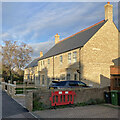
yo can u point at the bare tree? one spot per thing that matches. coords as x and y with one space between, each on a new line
15 56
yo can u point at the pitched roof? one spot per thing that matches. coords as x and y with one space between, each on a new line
33 63
75 41
116 61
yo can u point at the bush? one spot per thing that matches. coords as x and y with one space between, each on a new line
91 102
39 105
19 92
99 101
94 101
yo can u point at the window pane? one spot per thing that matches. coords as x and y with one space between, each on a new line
48 61
74 56
61 59
68 76
42 79
69 57
75 76
39 79
28 77
48 81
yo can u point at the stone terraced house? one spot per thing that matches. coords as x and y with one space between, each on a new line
86 56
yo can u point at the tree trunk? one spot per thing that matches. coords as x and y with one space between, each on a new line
10 76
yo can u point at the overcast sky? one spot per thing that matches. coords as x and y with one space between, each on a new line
37 23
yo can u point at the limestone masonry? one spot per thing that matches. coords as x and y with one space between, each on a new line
86 56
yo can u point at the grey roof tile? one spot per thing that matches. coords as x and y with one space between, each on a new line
33 63
75 41
116 61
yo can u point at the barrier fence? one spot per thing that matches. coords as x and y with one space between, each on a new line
62 98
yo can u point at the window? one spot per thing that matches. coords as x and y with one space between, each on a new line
61 59
43 79
117 82
75 76
39 79
69 57
28 77
76 83
34 79
74 56
48 61
41 63
68 76
48 81
62 77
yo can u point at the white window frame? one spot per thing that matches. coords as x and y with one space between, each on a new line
69 58
48 61
43 79
75 56
67 76
61 59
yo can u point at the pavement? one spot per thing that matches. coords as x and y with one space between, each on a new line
20 100
91 111
11 109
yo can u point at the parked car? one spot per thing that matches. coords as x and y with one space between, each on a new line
53 83
67 84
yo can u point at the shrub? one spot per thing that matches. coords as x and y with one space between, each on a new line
37 105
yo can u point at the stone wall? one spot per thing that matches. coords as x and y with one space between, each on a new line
29 100
9 88
98 53
82 95
93 59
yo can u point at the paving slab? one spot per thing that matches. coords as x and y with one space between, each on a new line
91 111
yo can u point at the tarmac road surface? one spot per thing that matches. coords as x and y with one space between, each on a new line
11 109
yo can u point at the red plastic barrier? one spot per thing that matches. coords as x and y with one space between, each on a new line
62 98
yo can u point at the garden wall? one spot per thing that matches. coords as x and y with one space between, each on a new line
41 97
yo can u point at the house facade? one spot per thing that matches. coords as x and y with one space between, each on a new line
85 56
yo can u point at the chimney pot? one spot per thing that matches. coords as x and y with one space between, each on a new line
108 12
57 38
41 53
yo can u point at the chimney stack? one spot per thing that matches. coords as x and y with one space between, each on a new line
109 12
41 53
57 38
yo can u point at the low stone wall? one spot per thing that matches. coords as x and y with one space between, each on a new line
25 86
9 88
29 100
82 95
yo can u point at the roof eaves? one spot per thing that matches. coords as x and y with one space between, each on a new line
60 53
34 61
73 36
82 30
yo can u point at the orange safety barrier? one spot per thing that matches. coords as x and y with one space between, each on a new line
62 98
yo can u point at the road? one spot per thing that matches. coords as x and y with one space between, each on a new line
11 109
90 111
